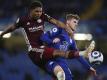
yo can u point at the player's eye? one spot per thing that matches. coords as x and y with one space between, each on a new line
38 11
75 22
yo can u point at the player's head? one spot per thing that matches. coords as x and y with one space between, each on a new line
35 10
72 21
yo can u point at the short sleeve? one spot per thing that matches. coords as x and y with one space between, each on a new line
19 22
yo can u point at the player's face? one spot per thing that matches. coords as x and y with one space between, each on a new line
72 23
36 13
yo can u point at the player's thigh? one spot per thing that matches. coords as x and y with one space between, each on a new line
53 67
67 71
35 58
44 53
57 69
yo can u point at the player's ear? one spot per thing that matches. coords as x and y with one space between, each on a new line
67 21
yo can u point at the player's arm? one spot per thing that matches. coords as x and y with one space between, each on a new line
83 61
62 25
45 38
8 29
12 27
59 24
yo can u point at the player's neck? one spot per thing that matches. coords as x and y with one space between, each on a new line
32 17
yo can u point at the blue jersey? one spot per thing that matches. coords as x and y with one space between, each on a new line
65 44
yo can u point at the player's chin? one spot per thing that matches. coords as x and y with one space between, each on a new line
73 29
36 17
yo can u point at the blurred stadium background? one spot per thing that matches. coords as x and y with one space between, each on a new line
14 62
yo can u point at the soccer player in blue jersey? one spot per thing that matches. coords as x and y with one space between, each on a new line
58 38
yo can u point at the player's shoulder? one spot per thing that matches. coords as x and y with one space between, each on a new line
23 18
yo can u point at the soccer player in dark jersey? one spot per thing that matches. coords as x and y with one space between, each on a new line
33 27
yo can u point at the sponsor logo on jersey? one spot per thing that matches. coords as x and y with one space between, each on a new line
33 29
37 50
64 46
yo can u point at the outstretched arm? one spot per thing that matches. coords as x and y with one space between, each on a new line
87 65
62 25
59 24
11 28
8 29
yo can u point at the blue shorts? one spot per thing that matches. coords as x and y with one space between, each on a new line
50 65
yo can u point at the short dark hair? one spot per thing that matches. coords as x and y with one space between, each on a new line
70 16
35 4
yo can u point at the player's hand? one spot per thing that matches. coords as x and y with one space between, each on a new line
56 40
93 71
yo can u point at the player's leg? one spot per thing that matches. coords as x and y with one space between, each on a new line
88 50
55 69
59 68
49 53
72 54
63 68
59 73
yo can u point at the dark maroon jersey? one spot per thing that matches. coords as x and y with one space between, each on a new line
32 29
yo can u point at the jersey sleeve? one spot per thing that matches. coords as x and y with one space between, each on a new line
63 35
45 37
84 62
50 35
57 32
19 22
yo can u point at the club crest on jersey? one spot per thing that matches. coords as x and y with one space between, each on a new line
54 29
39 20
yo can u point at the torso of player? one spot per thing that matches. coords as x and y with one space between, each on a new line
65 42
33 30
